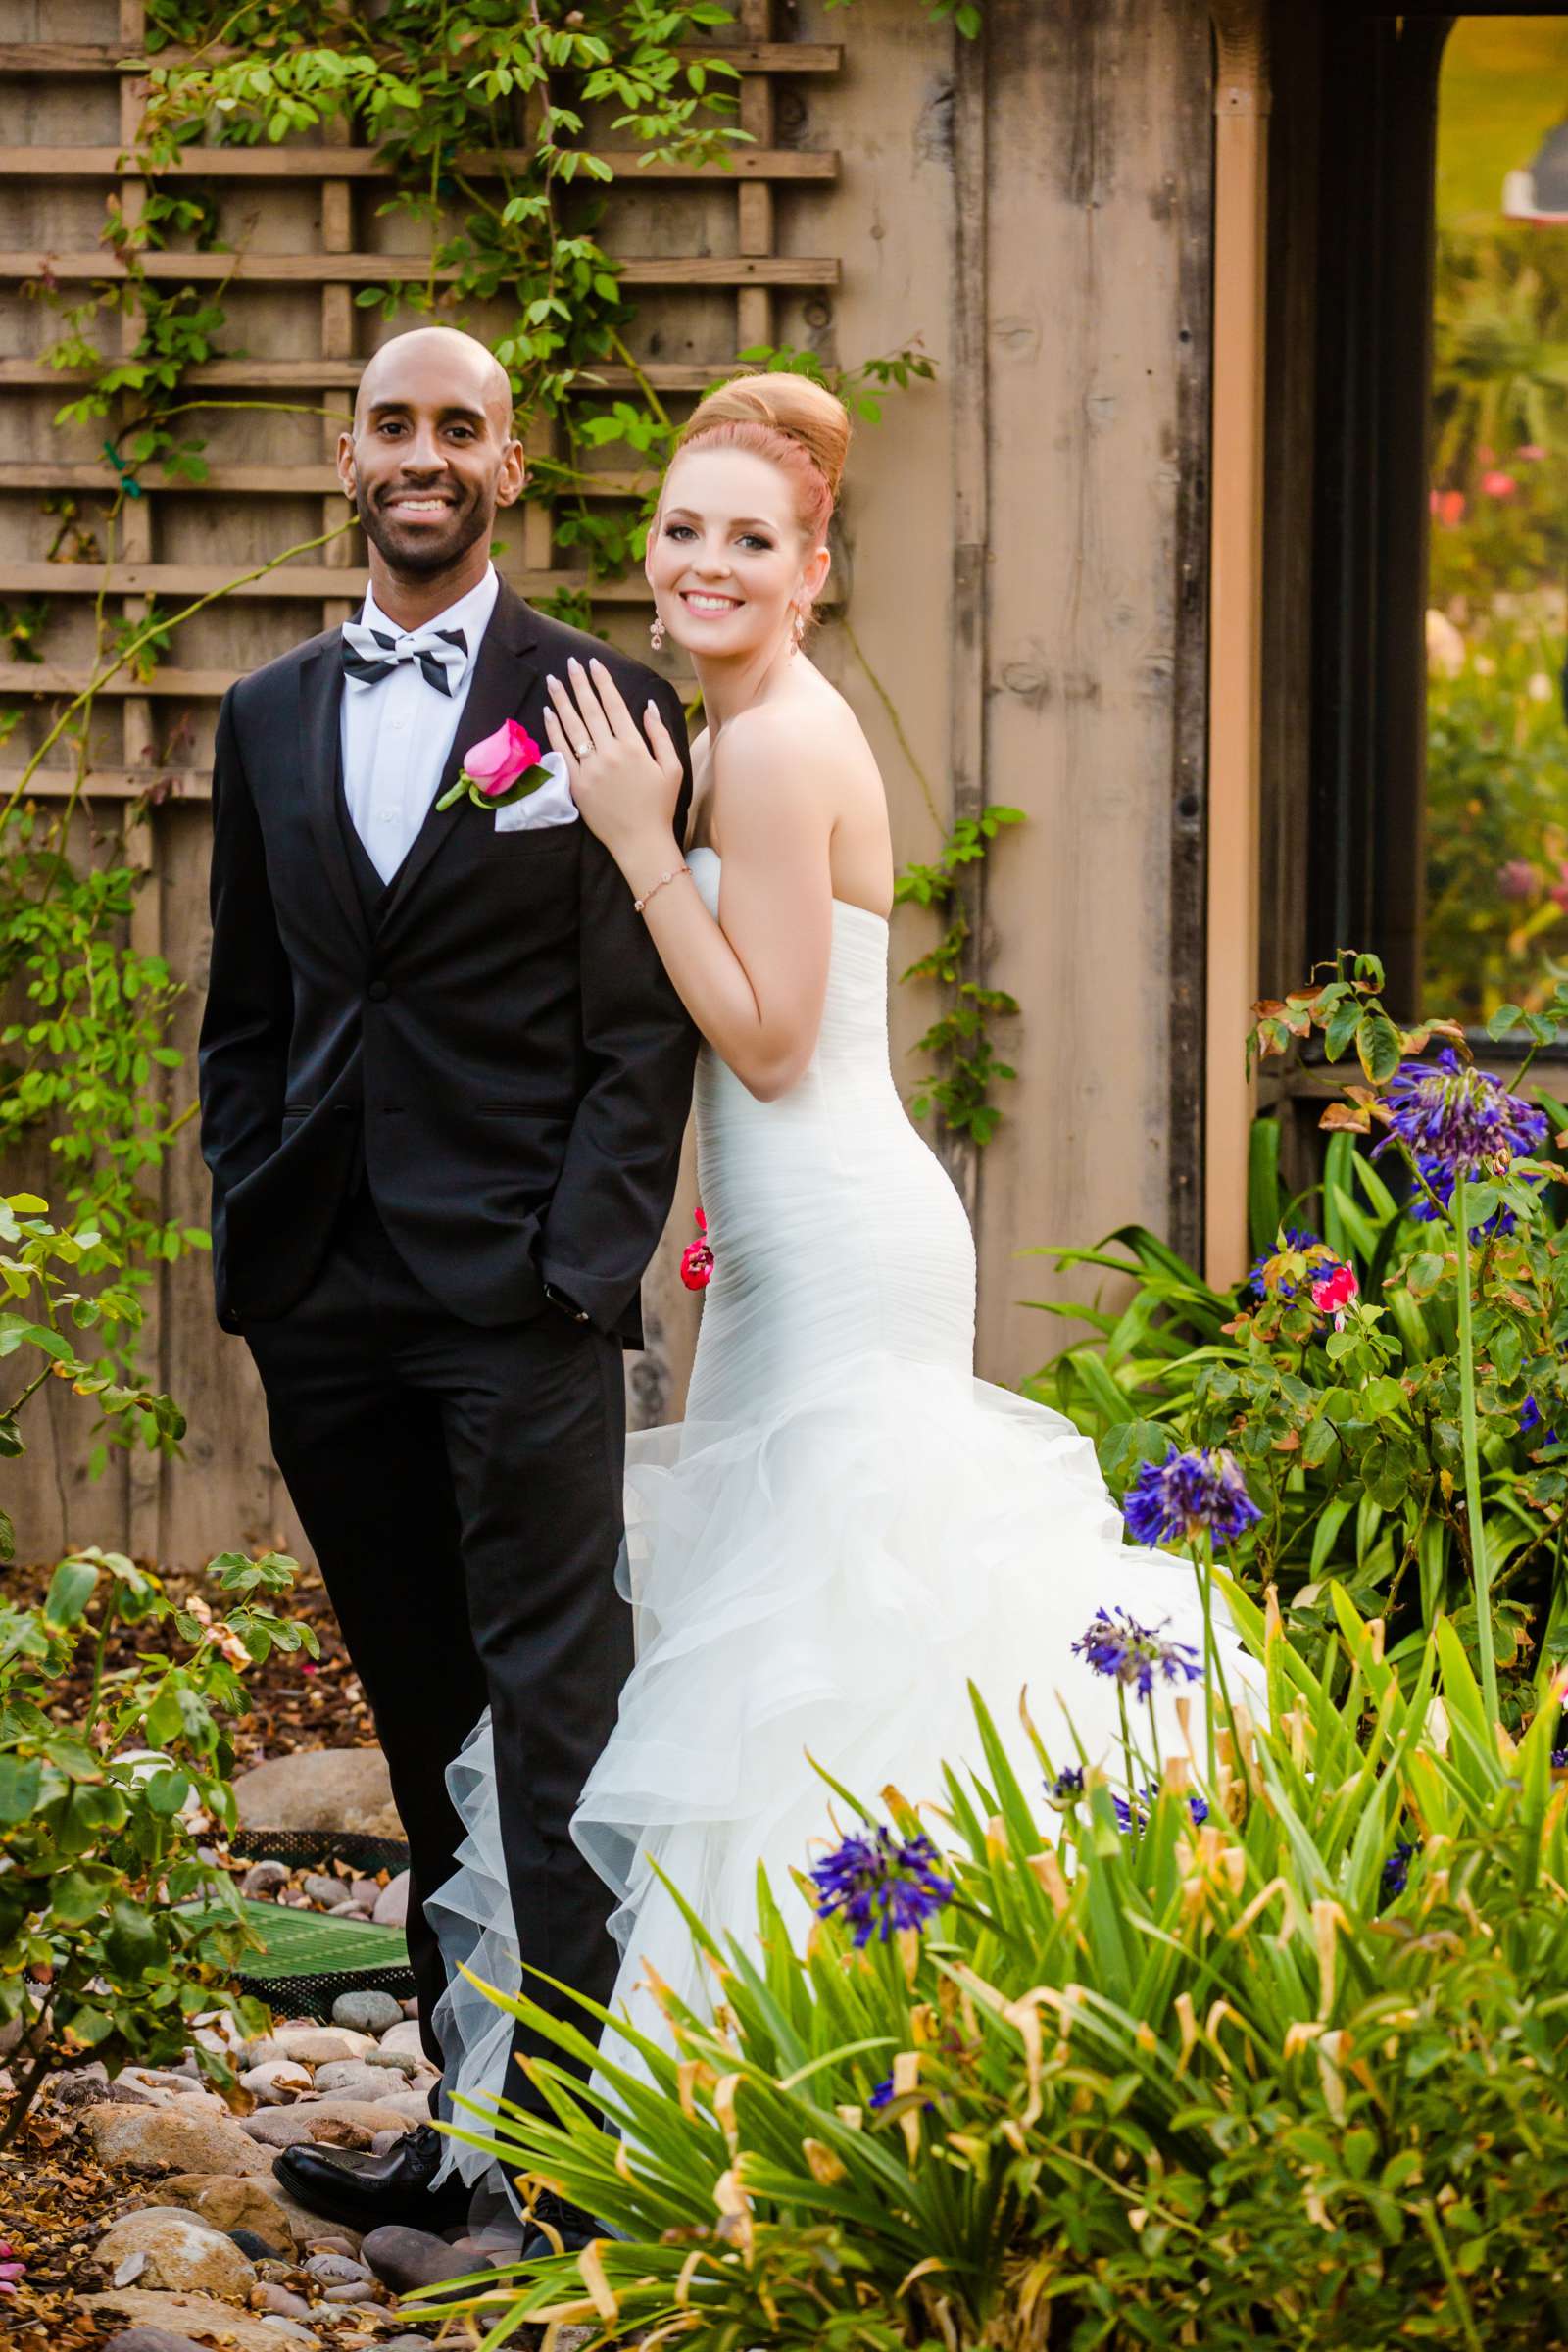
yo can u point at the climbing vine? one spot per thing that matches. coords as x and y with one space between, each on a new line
487 113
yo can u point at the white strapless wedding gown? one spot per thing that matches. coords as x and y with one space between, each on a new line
846 1530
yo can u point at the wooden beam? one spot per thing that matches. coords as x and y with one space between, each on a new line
399 269
363 162
289 581
289 375
272 480
106 57
112 783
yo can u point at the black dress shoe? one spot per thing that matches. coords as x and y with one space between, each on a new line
575 2227
367 2191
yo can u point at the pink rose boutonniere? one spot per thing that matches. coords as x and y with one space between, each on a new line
697 1259
503 767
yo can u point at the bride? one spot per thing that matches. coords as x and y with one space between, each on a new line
848 1527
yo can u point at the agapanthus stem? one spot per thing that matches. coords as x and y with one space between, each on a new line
1472 1456
1127 1745
1214 1680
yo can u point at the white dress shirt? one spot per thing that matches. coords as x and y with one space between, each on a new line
398 730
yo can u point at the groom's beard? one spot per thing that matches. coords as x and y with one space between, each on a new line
417 553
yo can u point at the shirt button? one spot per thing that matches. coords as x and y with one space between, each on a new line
378 991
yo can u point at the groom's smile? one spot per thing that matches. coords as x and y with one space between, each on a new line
432 456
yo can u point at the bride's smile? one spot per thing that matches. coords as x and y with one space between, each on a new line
732 571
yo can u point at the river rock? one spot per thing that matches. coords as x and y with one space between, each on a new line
310 2045
278 2083
324 1892
179 2252
148 2139
321 1788
338 2269
264 1880
406 2260
357 2079
289 2127
403 2036
392 1903
368 2012
202 2317
150 2340
230 2201
270 2296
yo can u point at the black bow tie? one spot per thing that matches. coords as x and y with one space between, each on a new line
370 655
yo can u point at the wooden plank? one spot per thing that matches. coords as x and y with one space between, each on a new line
398 269
112 783
106 57
754 305
173 685
364 163
289 581
282 480
290 376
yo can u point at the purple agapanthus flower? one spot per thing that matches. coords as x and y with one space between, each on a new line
1118 1646
1397 1869
1533 1420
1269 1276
1068 1783
1188 1494
1559 1759
882 2092
881 1882
1135 1815
1458 1121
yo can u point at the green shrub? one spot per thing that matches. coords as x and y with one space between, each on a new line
1293 2072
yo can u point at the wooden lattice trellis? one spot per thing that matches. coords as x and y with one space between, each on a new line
754 272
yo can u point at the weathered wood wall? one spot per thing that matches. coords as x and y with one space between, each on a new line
1020 556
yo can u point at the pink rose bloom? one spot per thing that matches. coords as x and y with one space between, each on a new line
501 758
1499 485
1449 508
1530 451
1559 893
1518 879
1333 1293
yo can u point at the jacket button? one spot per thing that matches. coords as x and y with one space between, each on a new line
378 991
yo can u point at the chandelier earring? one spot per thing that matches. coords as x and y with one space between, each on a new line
797 628
655 632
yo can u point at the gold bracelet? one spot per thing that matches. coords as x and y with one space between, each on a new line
638 905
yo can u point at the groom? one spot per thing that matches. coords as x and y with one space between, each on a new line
444 1081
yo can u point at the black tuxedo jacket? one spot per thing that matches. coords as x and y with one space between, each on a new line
496 1044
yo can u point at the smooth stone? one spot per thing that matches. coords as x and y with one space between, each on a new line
324 1892
236 2201
202 2317
369 2012
282 2302
406 2260
257 2250
181 2253
94 2089
310 2045
291 2127
357 2079
367 2292
413 2106
384 2143
404 2037
263 1879
401 2062
392 1903
172 2139
342 1789
163 2078
338 2269
149 2339
277 2082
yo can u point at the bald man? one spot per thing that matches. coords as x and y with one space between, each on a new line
444 1083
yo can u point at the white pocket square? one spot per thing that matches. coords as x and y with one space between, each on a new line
550 803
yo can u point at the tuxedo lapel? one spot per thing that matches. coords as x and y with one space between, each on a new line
502 677
321 752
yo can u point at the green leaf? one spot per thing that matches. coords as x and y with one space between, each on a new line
71 1587
1377 1046
20 1778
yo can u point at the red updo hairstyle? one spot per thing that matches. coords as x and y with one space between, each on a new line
797 425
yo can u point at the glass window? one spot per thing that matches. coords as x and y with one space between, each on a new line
1497 790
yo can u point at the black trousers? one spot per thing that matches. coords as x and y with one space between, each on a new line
462 1492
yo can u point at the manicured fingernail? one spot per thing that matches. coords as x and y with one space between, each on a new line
551 678
575 664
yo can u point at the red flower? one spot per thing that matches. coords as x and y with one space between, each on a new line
1449 508
1333 1293
502 757
1499 485
697 1259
